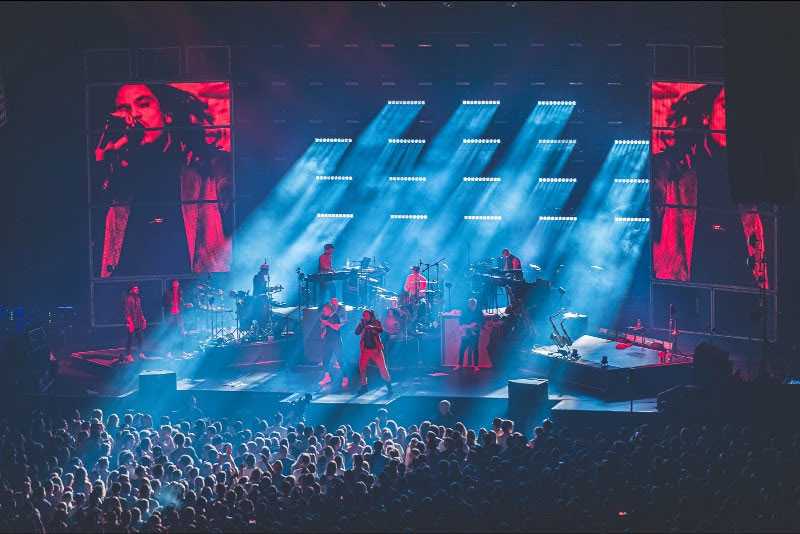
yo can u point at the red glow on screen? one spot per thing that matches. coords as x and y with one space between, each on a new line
217 97
688 143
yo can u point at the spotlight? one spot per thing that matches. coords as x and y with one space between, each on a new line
480 102
409 216
406 102
556 103
336 178
632 219
631 181
481 179
483 218
408 179
557 141
604 361
332 140
334 215
406 141
479 140
631 142
557 218
558 180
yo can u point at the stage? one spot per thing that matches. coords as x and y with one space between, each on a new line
259 378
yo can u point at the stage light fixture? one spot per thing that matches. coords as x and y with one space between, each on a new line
556 103
483 218
474 140
631 142
557 141
406 141
408 179
332 140
406 102
335 215
482 179
408 216
334 178
558 180
632 219
480 102
631 181
557 218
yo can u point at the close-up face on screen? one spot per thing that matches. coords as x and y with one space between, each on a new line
161 178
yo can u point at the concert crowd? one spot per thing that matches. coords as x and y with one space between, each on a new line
104 472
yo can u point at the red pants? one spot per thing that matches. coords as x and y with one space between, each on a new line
376 356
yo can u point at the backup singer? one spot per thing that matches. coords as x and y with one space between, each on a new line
471 320
134 321
173 317
371 349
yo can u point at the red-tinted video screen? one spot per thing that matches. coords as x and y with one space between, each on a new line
699 233
161 180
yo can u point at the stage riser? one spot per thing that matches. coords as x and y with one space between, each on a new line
216 358
614 383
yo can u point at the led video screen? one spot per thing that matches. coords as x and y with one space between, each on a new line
161 178
698 233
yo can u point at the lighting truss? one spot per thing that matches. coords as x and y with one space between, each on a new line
476 140
483 218
335 178
632 219
408 179
335 215
556 103
409 216
404 140
332 140
406 102
480 102
558 180
482 179
557 218
631 142
631 181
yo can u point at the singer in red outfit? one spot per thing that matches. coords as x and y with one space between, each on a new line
173 317
370 330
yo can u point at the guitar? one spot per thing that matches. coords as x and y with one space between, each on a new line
471 328
325 322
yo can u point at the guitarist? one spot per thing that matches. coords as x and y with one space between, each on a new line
330 333
471 321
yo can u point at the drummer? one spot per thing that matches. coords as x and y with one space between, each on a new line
415 285
260 280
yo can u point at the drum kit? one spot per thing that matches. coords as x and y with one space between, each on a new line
237 316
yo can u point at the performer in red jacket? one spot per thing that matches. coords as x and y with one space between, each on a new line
134 321
370 330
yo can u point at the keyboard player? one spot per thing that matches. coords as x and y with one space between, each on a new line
512 270
326 287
